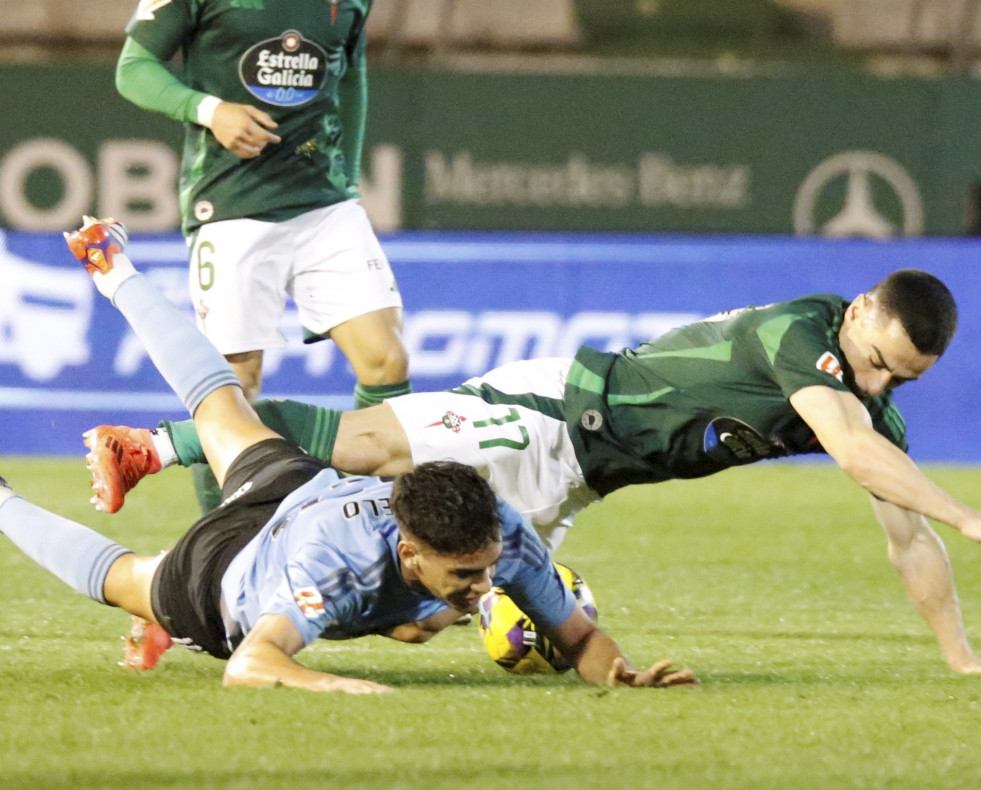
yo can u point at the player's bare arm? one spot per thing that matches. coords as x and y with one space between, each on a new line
844 428
243 129
265 658
599 660
919 556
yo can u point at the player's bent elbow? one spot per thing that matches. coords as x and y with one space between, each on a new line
857 464
234 673
241 670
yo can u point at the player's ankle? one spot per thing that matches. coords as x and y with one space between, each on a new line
108 283
164 447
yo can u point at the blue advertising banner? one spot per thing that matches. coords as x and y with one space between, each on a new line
473 301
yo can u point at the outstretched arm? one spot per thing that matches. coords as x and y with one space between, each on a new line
265 658
921 559
844 428
599 660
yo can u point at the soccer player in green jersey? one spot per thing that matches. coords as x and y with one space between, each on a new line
813 374
273 97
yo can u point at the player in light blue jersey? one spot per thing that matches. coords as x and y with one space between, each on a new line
294 552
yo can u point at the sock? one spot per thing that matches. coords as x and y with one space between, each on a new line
310 427
77 555
108 283
371 394
185 358
164 447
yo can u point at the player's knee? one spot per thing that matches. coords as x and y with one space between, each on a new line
249 373
386 365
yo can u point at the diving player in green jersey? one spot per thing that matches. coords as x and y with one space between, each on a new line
273 97
809 375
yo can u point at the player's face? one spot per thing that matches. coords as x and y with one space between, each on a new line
878 350
458 579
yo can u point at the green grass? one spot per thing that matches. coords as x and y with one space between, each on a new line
771 582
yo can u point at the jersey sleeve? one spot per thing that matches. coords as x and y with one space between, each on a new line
145 81
528 575
800 350
161 27
301 599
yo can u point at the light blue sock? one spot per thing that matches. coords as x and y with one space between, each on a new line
77 555
185 358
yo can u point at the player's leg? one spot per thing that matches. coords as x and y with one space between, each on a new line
248 370
372 343
236 279
122 456
344 289
86 561
367 441
193 368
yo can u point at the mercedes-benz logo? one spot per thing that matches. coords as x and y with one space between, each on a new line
864 174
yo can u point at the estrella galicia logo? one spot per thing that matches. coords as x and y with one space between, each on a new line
284 71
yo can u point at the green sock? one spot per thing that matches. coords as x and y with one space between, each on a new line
311 427
372 394
187 445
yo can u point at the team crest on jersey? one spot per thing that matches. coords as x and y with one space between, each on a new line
284 71
204 210
310 602
450 420
146 9
829 363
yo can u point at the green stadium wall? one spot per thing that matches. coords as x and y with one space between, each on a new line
821 154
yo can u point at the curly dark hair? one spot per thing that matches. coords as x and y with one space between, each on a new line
923 305
447 506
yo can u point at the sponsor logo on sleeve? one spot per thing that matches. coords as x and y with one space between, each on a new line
310 602
829 363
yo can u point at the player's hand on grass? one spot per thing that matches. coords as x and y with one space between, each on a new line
242 129
965 665
356 686
660 675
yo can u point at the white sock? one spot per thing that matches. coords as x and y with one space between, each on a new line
164 447
108 283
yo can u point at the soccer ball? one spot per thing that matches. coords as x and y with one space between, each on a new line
510 637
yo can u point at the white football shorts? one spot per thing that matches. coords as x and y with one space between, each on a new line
328 260
505 433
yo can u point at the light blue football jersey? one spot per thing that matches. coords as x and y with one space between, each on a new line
327 560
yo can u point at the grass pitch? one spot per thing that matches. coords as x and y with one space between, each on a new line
771 582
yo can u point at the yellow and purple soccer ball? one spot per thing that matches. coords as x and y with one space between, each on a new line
510 637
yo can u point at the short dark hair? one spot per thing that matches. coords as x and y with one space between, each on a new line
447 506
923 305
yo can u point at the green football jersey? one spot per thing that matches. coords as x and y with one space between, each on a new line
285 57
710 395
